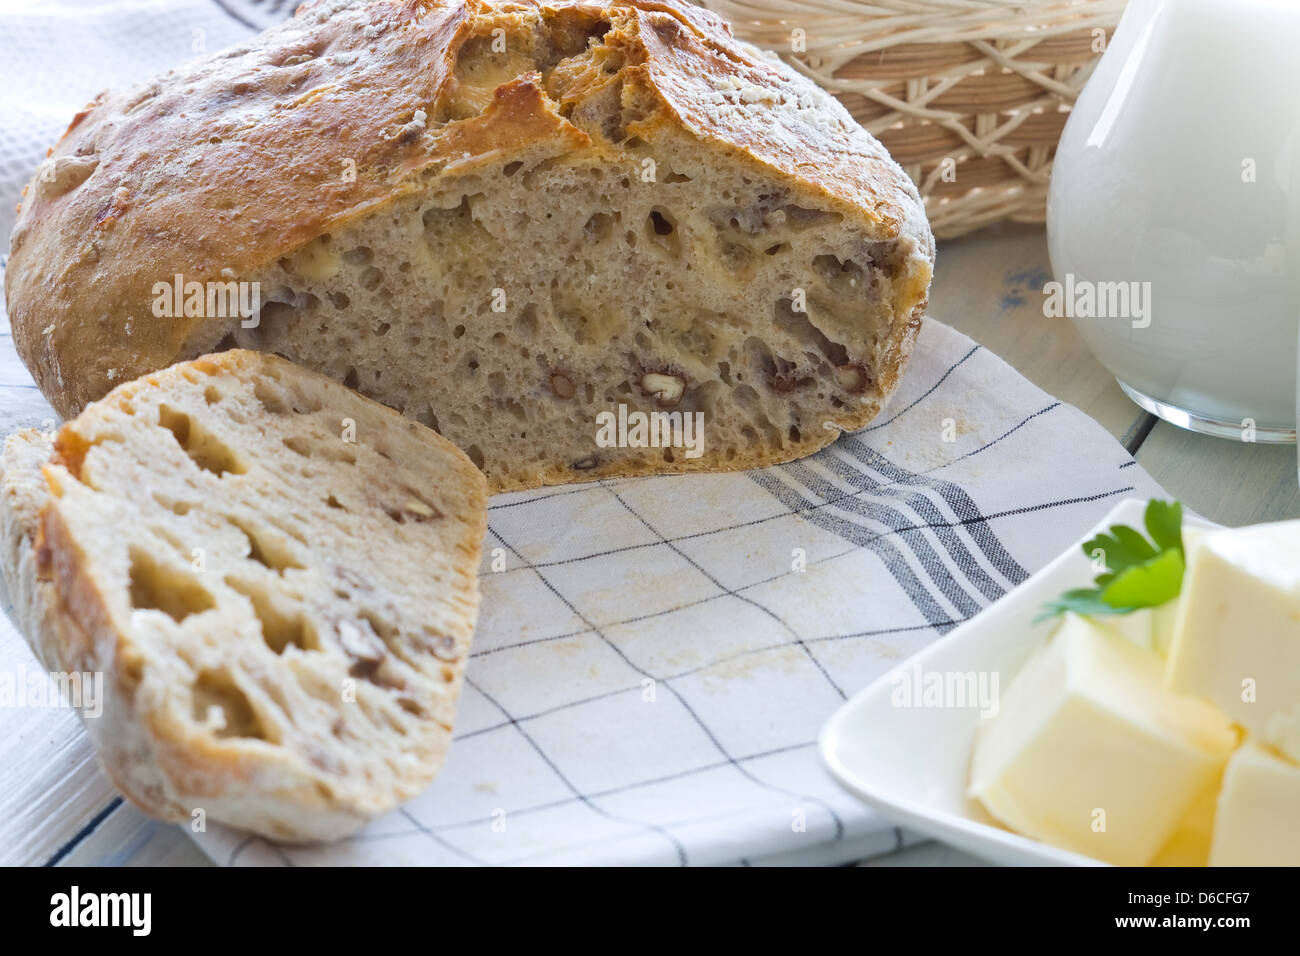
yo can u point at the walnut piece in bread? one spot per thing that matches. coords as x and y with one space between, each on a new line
277 578
500 218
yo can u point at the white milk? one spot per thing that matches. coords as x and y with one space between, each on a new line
1180 167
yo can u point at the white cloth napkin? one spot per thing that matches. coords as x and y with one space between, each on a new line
655 657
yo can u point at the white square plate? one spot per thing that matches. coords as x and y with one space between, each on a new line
913 763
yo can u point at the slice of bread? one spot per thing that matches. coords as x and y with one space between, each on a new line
277 578
505 220
23 493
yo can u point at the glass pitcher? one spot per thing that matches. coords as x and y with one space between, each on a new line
1174 213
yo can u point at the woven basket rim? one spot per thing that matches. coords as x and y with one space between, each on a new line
841 25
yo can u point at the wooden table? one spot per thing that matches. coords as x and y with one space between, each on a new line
57 806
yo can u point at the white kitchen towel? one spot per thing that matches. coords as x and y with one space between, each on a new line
655 656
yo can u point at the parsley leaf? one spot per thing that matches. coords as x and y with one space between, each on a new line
1080 601
1137 573
1148 584
1164 521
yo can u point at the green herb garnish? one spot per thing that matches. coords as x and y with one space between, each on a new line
1137 573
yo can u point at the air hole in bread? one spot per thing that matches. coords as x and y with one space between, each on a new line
382 629
280 629
335 449
661 228
844 276
801 327
360 256
800 218
598 227
333 502
427 418
273 399
736 256
266 548
276 318
211 395
351 379
205 449
176 507
512 168
218 702
305 404
161 587
298 445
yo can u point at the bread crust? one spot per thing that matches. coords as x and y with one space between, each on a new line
154 181
23 494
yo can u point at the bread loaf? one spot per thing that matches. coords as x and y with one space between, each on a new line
276 577
511 221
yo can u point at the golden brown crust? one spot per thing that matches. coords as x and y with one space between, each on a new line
226 164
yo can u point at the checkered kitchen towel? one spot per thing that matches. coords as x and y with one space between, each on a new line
655 656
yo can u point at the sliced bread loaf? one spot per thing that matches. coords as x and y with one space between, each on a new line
23 493
276 577
504 219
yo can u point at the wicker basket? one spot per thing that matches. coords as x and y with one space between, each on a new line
970 96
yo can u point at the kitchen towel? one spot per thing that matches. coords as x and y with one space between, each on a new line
655 656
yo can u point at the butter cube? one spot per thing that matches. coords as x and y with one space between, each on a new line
1090 753
1136 627
1259 808
1237 638
1191 840
1149 627
1162 626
